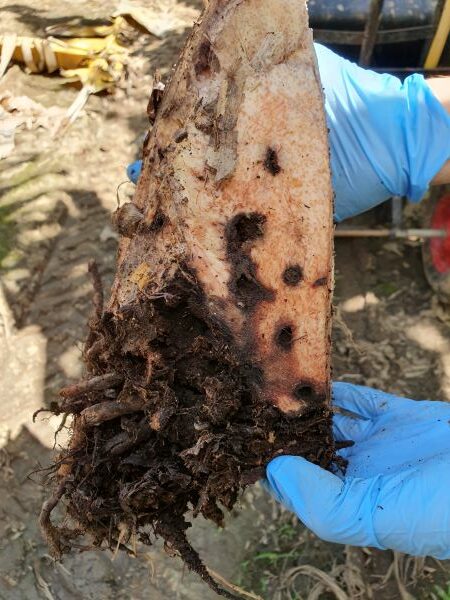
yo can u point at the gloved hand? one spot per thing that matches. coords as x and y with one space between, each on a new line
386 138
396 491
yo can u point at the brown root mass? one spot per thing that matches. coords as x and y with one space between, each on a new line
179 426
212 355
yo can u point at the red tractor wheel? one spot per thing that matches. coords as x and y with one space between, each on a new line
436 251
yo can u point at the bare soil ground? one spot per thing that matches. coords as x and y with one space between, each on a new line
56 198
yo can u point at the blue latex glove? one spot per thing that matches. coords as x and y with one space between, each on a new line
134 170
386 138
396 491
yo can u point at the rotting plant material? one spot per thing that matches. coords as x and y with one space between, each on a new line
212 355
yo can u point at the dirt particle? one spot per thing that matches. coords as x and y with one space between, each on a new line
159 221
204 123
271 162
155 98
180 135
293 275
320 282
284 337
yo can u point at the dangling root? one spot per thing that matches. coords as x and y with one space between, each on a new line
52 534
95 384
177 541
72 394
98 288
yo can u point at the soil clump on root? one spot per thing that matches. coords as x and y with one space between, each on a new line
170 419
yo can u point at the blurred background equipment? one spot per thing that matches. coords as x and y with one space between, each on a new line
401 37
394 33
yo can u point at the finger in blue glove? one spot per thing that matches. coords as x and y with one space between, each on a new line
134 170
396 490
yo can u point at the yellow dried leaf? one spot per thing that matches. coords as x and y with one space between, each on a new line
47 55
141 276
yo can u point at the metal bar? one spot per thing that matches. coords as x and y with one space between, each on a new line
396 211
348 232
370 32
334 36
404 71
384 36
437 18
408 34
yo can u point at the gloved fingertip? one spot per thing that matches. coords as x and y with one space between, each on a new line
282 466
342 392
134 170
282 469
294 479
308 490
292 468
274 471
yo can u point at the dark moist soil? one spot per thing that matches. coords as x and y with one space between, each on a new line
173 422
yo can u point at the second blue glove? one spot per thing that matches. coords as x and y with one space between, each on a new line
396 491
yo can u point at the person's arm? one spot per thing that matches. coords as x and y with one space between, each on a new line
440 87
387 137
